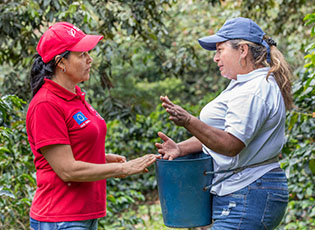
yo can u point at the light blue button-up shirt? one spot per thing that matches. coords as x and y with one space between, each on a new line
252 109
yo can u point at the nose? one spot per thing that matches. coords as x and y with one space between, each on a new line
89 58
216 57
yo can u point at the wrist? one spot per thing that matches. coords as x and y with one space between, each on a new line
188 121
180 151
123 169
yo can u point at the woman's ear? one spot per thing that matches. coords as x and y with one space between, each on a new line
60 62
243 50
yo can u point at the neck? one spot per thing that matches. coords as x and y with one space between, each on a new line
68 85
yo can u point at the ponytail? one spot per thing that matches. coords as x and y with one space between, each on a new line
41 70
278 65
283 75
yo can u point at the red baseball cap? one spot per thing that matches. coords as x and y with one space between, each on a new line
64 36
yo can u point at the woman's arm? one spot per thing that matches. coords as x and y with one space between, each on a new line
60 158
215 139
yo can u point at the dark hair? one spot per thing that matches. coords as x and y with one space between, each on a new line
278 65
41 70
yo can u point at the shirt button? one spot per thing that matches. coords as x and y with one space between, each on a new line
69 184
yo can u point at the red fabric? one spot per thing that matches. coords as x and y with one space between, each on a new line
57 116
64 36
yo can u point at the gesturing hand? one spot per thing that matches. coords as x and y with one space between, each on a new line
178 115
139 165
169 149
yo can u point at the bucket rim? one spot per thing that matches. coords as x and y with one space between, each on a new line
185 160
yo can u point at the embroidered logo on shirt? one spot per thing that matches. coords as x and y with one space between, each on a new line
81 119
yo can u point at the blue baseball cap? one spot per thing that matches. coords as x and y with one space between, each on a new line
236 28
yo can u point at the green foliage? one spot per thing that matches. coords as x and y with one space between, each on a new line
17 179
299 152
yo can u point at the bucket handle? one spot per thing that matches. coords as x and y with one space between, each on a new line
237 170
218 181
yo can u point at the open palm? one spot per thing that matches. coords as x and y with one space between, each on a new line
169 149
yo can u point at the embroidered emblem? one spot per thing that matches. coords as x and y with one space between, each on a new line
80 118
72 32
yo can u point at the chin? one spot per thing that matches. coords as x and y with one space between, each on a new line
228 77
86 78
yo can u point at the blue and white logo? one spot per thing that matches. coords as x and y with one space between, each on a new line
79 118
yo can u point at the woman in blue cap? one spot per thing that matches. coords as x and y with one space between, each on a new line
242 129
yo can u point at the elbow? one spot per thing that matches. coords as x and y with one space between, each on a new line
65 176
231 153
233 150
233 147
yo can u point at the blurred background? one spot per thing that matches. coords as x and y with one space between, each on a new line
149 49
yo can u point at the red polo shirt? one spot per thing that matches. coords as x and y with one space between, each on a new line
57 116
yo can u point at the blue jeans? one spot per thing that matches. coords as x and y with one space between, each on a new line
70 225
260 205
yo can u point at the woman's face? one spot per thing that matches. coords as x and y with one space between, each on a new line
78 66
227 59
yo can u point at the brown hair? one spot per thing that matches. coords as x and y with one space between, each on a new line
278 65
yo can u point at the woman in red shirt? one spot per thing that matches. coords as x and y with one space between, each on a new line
67 136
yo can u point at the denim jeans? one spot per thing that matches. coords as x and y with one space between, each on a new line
70 225
260 205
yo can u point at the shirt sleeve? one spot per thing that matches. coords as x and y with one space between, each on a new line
245 116
48 126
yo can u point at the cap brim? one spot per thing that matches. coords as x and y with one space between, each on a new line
209 42
87 43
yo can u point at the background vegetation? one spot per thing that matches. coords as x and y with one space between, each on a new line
149 49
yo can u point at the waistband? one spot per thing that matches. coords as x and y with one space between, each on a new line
239 169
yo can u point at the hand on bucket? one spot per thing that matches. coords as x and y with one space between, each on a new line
178 115
168 149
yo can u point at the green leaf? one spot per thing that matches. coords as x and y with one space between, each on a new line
311 165
293 120
6 193
4 150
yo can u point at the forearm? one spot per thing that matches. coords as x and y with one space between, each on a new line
191 145
62 161
215 139
80 171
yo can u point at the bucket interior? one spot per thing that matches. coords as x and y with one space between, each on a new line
190 157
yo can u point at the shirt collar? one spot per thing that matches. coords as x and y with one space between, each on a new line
62 92
251 75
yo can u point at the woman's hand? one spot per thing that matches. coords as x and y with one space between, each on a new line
178 115
169 149
115 158
138 165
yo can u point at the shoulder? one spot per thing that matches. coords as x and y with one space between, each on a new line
261 85
44 100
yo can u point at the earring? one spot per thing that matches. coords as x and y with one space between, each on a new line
64 70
